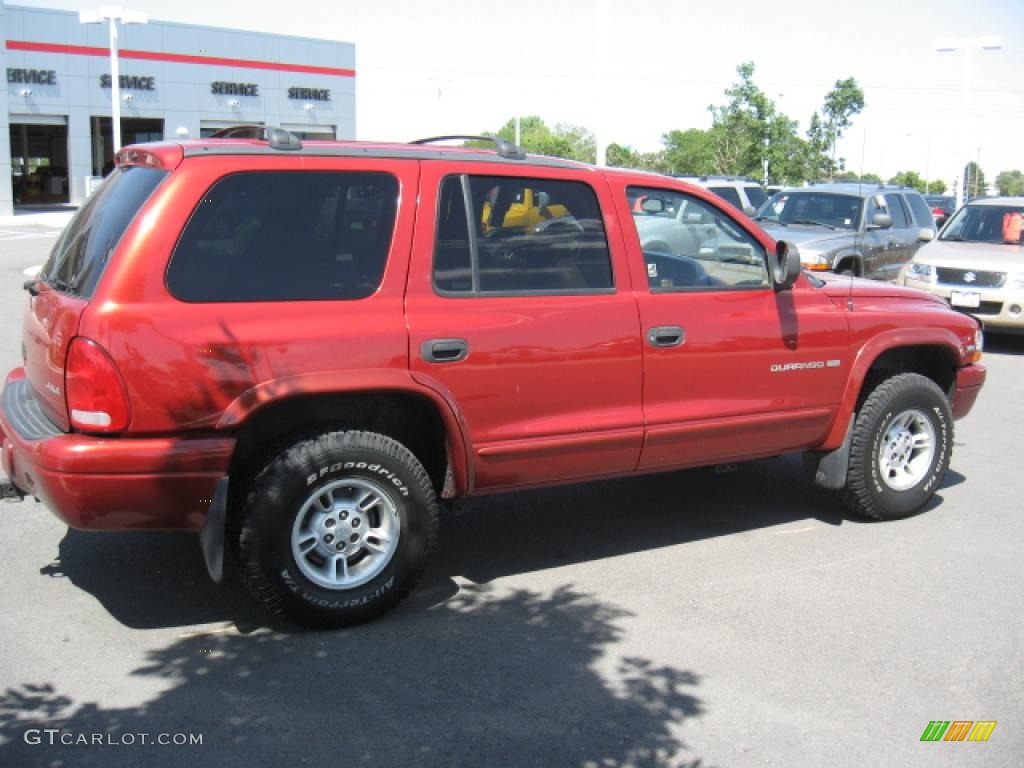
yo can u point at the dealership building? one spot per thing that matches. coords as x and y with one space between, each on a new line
176 80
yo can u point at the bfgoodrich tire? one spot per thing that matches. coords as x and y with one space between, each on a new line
901 448
338 529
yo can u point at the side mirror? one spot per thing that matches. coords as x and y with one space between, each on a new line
785 266
881 221
925 235
749 210
652 205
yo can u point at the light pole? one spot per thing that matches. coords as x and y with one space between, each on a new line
968 45
113 14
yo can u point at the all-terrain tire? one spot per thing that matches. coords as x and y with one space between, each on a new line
337 529
901 448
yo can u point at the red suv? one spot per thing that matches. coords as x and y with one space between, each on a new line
297 350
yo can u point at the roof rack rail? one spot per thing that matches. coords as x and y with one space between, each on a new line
277 138
503 147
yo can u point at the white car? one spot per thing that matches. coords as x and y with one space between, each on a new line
977 263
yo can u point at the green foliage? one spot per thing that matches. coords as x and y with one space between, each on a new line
689 152
1010 183
909 179
936 187
974 180
620 156
570 141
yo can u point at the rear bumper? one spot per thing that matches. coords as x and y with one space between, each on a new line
969 381
111 483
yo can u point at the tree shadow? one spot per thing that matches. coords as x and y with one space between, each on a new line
487 678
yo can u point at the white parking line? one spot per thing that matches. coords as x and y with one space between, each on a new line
14 234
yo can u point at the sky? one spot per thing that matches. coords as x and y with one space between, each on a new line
461 66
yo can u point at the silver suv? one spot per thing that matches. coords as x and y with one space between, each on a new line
854 229
745 194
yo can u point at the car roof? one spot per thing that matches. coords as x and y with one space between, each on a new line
997 201
849 188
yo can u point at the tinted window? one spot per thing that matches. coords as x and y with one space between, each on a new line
519 235
922 213
729 194
286 236
690 245
894 204
81 253
756 195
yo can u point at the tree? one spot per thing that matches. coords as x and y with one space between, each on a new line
909 179
570 141
845 100
748 137
974 180
1010 183
937 187
689 152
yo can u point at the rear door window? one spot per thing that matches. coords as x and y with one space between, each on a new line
506 235
728 193
922 213
894 203
83 250
287 236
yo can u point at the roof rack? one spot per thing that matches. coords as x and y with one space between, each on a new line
277 138
504 148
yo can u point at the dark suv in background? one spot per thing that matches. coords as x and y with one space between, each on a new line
943 206
853 229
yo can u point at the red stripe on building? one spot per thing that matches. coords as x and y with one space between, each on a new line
177 58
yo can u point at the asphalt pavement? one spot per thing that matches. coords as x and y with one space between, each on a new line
686 619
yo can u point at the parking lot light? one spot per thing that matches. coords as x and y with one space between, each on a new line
112 14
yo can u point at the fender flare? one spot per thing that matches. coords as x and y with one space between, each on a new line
349 382
876 346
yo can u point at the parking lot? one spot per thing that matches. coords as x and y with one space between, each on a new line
687 619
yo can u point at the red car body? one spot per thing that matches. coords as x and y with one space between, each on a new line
557 389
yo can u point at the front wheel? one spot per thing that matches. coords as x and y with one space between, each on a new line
337 529
901 448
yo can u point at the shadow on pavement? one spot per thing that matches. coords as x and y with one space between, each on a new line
486 679
150 580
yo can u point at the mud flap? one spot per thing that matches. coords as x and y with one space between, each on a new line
829 469
211 535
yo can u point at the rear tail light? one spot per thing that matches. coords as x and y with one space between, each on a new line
97 400
938 212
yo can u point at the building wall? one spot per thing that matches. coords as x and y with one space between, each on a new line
6 194
184 61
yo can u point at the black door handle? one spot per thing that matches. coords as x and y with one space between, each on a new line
666 336
444 350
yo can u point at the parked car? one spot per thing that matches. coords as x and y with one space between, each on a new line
977 263
853 229
744 193
942 207
297 351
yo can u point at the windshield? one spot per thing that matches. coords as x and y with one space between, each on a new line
812 208
986 224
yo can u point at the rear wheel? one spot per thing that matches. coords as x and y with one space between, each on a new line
901 447
337 529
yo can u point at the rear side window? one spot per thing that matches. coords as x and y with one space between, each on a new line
286 236
922 213
756 195
728 194
514 235
894 203
81 253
